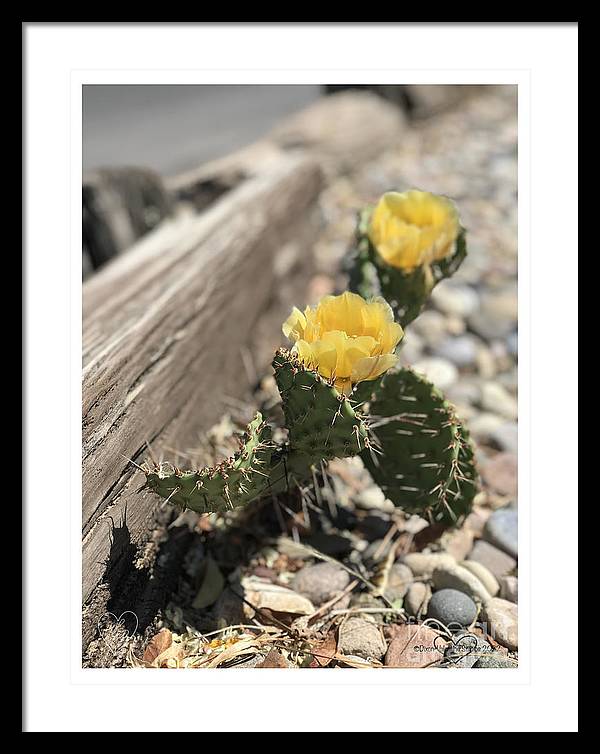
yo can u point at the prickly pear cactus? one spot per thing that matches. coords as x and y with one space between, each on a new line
422 457
322 423
229 485
405 290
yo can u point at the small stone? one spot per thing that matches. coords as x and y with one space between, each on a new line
461 300
486 577
452 608
411 348
475 521
509 588
321 582
458 543
483 426
502 617
274 597
417 598
497 315
465 649
361 638
399 579
461 350
372 498
501 530
431 326
462 580
414 646
497 399
505 437
441 372
500 473
466 391
496 561
424 564
495 660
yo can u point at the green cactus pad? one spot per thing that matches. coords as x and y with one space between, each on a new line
231 484
421 455
322 424
406 292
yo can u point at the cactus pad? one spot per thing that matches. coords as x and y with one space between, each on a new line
231 484
322 423
421 457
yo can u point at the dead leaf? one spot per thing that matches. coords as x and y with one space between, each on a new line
157 645
324 651
274 659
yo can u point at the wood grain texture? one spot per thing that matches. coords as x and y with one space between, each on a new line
164 328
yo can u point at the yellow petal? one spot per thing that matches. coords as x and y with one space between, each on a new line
373 366
294 325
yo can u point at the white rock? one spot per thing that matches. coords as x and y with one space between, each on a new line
486 577
441 372
424 564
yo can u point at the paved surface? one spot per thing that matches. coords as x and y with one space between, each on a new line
173 128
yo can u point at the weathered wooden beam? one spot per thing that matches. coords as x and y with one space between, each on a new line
164 328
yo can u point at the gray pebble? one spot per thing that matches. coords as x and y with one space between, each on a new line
465 649
452 608
495 660
501 529
495 560
320 582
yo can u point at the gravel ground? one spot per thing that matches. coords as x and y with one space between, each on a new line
336 576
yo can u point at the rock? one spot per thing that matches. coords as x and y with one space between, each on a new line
228 610
509 588
512 343
497 399
502 617
486 577
321 582
497 315
441 372
461 350
500 473
362 638
505 437
465 649
452 608
431 326
414 646
424 564
372 498
461 300
501 530
467 391
495 660
496 561
417 598
399 579
475 521
483 426
462 580
411 348
458 543
274 597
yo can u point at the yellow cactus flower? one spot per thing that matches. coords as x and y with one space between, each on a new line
413 228
345 338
